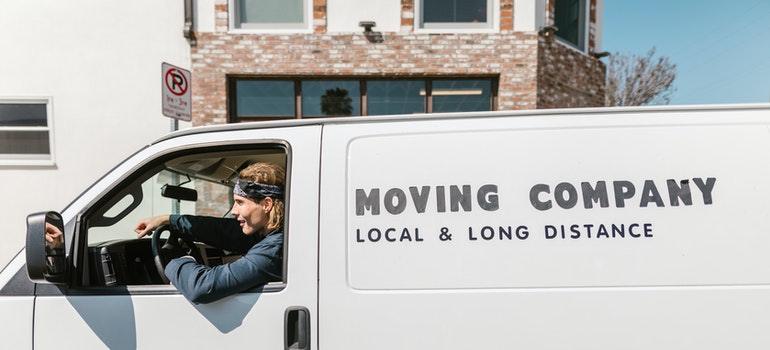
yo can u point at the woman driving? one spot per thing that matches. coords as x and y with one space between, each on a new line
256 231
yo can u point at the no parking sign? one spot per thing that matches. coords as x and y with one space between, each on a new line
177 100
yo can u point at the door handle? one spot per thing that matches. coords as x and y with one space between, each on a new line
296 328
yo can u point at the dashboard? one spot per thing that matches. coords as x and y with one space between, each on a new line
130 261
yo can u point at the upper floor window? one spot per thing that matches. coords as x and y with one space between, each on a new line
455 14
25 132
271 14
570 19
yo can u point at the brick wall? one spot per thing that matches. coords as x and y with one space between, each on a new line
512 57
568 78
213 200
532 73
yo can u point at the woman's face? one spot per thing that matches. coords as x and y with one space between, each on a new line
251 215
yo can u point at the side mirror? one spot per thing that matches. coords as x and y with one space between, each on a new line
179 193
46 258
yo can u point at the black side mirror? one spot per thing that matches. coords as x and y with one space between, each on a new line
46 258
179 193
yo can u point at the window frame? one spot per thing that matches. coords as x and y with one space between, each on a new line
584 30
235 27
232 116
492 25
78 256
24 159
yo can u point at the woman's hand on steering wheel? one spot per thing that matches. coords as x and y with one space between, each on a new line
174 242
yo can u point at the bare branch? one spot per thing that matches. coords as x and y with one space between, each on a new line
634 80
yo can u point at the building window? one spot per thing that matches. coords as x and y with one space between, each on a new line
461 95
265 98
25 132
395 97
273 98
570 19
455 14
270 14
331 98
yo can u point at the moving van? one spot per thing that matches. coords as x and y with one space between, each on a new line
639 228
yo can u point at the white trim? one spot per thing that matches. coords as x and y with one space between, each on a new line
304 28
270 31
23 128
455 31
525 16
27 162
493 13
205 16
32 159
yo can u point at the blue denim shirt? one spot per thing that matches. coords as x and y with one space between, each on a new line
262 259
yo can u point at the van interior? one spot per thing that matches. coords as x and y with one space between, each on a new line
196 184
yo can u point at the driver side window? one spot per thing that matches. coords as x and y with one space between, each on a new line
198 184
153 203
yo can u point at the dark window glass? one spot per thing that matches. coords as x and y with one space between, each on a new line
24 142
461 95
271 11
23 114
321 98
264 98
395 97
454 11
569 19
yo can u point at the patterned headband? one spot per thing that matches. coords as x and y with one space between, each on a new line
255 190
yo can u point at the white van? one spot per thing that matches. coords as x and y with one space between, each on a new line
641 228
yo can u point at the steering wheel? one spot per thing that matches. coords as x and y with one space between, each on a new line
173 247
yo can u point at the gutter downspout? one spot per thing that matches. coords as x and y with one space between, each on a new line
189 23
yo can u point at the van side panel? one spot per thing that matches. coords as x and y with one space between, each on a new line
16 319
630 230
17 304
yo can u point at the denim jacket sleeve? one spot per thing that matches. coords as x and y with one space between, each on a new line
202 284
222 233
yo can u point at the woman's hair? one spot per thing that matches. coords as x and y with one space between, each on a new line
268 174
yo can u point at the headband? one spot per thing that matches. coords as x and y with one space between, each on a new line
256 190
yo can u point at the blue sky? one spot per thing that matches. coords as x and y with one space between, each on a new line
721 48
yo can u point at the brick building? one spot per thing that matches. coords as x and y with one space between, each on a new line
273 59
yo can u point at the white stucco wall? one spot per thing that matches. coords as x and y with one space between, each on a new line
528 15
344 15
99 61
205 16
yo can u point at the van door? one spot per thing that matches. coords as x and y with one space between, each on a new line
116 300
